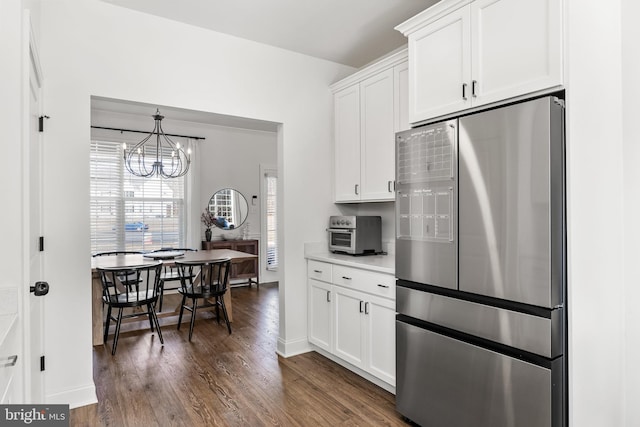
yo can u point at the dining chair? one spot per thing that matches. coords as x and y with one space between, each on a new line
128 281
134 294
169 272
206 280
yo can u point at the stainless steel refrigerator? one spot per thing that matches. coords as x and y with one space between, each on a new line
480 265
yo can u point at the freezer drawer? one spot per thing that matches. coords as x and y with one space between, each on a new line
540 335
444 382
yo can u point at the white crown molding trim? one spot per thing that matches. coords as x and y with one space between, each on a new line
370 70
430 15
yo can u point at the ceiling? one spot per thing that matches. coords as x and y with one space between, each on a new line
349 32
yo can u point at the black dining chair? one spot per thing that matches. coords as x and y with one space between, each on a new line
129 281
140 290
169 272
206 280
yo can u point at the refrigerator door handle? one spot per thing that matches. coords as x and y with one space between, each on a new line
451 217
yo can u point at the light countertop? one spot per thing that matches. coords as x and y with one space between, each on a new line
380 263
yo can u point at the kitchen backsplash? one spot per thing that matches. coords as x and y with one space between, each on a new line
386 210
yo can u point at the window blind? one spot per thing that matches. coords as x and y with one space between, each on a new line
129 212
272 220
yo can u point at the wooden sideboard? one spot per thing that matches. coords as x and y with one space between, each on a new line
247 269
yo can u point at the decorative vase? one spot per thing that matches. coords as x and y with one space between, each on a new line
207 234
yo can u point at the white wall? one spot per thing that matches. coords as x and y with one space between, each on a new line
595 190
231 158
631 151
93 48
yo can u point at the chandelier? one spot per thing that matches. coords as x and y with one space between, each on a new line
161 156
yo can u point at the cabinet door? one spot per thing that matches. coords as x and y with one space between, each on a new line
348 317
516 47
377 144
319 328
439 66
347 144
380 322
401 97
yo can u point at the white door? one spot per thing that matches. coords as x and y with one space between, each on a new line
33 206
319 328
377 155
347 143
381 338
347 329
440 67
516 47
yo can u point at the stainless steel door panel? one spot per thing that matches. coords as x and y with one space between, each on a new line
506 213
424 262
443 382
531 333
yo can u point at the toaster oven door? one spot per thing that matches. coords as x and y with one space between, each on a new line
342 240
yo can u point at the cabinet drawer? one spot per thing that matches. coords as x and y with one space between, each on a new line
319 270
366 281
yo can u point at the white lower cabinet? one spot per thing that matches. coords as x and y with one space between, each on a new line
9 348
319 326
352 316
348 327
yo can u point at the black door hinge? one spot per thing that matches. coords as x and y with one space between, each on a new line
41 123
41 240
41 363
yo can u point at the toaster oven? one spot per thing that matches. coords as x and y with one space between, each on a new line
355 234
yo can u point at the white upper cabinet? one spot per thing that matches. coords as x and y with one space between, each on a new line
440 67
377 167
369 107
347 138
465 53
516 47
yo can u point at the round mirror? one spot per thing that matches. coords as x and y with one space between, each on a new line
229 207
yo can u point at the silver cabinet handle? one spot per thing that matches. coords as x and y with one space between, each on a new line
361 306
366 308
474 84
356 188
383 286
317 271
11 361
328 296
464 91
346 278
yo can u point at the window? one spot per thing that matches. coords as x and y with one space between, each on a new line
271 186
129 212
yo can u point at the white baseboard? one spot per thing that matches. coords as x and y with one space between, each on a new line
75 398
292 347
367 376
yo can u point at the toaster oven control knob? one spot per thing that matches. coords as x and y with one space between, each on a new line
347 222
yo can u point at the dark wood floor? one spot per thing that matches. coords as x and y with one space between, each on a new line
228 380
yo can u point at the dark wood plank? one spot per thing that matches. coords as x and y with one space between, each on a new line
227 380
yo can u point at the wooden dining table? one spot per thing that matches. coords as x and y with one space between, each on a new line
131 260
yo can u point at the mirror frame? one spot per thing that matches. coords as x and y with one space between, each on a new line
242 210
